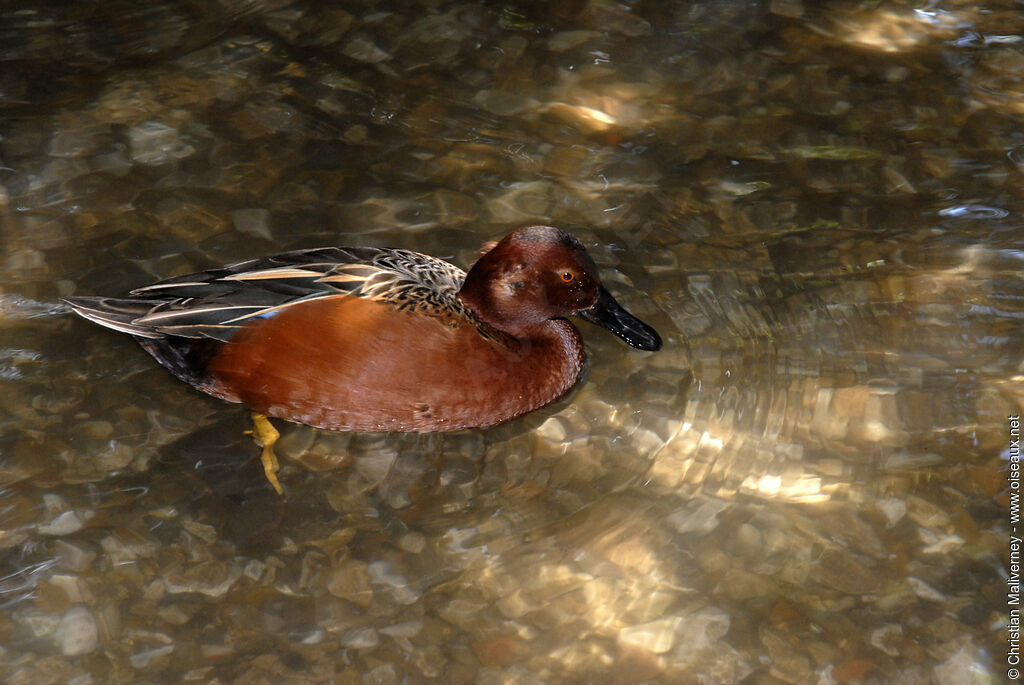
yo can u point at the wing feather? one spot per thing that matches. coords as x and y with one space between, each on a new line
213 304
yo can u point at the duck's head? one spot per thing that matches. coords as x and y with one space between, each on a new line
539 273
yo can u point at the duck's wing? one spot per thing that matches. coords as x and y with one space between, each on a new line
214 304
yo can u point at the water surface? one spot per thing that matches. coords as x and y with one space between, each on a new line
817 205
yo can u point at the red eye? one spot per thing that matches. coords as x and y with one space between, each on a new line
568 276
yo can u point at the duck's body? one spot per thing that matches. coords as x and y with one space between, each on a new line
370 339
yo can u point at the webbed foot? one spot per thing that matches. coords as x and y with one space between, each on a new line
265 435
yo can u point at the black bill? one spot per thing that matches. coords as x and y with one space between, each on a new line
608 313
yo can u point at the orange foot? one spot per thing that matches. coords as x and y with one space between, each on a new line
265 435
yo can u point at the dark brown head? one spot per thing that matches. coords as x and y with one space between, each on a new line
539 273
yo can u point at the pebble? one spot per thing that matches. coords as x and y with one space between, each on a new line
117 456
75 589
504 103
40 625
146 657
77 142
405 629
374 467
939 543
211 578
397 585
792 9
893 509
413 542
747 541
363 49
361 638
253 221
384 674
553 430
99 430
887 638
464 613
655 636
567 40
925 591
351 581
967 665
154 143
73 557
924 513
77 632
66 523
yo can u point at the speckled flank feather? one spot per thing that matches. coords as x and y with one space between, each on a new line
215 303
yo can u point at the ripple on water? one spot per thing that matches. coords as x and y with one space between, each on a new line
974 212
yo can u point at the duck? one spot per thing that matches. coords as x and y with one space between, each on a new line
378 339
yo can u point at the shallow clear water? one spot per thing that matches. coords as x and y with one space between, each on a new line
818 206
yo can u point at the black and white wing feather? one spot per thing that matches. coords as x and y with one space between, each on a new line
214 304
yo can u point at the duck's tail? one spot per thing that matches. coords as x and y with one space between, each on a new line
117 314
185 357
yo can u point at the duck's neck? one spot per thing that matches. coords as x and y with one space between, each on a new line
549 362
522 333
564 337
475 292
553 346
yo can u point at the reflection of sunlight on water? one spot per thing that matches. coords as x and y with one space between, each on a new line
695 459
813 443
599 576
973 212
997 82
602 99
891 30
805 489
592 119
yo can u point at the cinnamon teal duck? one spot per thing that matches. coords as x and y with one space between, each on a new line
372 339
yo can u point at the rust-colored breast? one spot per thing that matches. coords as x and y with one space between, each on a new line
351 363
